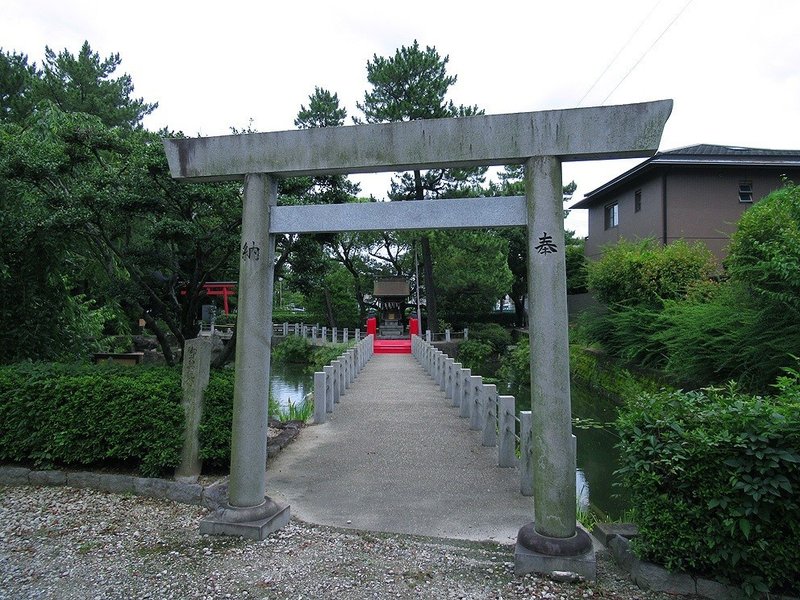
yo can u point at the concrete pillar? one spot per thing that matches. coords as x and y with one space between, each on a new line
457 384
329 385
475 415
554 497
525 454
489 409
320 401
250 398
194 380
466 393
249 512
337 380
448 386
506 453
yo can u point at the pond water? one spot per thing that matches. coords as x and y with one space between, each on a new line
289 383
597 456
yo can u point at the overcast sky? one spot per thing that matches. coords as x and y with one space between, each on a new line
731 66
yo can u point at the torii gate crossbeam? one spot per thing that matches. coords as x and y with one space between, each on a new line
538 140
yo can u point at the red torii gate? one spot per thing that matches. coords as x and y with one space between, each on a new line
219 288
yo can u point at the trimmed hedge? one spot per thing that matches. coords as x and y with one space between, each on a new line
99 415
714 476
55 414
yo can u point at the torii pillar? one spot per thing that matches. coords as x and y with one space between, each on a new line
539 141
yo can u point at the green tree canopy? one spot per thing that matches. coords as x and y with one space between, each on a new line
85 83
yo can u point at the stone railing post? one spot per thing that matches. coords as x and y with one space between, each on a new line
329 387
466 333
446 335
428 335
297 328
346 335
357 335
525 453
466 393
448 385
285 329
324 335
194 380
489 410
320 401
506 454
475 414
457 384
337 380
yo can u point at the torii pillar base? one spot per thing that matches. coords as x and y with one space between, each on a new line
254 523
536 553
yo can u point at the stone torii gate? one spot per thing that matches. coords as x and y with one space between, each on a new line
538 140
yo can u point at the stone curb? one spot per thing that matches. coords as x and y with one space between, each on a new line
653 577
183 492
208 496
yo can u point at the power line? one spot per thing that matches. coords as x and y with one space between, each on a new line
621 50
636 64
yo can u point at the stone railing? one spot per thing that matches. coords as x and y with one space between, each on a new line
447 336
494 416
317 334
330 383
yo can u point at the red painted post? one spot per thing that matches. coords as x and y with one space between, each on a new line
413 326
372 326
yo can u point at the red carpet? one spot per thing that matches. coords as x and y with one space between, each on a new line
392 346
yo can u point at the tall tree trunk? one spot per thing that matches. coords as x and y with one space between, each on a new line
160 335
227 354
427 265
329 307
519 309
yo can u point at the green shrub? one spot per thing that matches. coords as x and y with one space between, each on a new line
626 332
294 349
215 421
492 333
648 273
765 250
727 335
714 476
88 415
479 356
515 368
323 355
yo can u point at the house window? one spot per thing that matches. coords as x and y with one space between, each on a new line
612 215
637 201
746 192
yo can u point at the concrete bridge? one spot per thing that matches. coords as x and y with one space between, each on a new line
395 456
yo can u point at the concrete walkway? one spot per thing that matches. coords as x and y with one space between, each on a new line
395 457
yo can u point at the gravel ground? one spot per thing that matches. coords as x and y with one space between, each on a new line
70 543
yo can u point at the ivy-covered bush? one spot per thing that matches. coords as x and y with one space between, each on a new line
53 414
714 476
